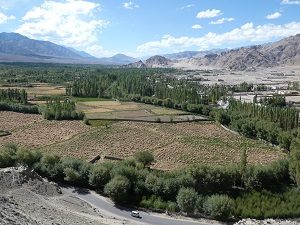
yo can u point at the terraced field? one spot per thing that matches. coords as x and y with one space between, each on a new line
173 145
115 110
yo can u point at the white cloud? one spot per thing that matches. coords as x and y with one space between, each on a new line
4 18
67 22
187 6
273 16
197 26
222 20
210 13
248 33
130 5
290 2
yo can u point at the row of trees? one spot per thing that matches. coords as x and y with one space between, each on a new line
55 109
13 96
214 191
287 118
275 125
145 83
16 100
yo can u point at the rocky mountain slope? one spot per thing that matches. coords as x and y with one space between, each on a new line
192 54
16 44
26 198
280 53
18 48
156 61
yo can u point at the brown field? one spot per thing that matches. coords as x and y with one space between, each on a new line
174 145
41 89
128 111
11 120
32 131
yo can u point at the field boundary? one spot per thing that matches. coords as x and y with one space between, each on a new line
151 121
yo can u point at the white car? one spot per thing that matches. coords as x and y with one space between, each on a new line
135 214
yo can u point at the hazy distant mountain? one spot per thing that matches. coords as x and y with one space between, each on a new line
157 61
280 53
82 53
16 44
119 59
138 64
192 54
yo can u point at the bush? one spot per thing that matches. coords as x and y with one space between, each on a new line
100 175
144 157
118 189
294 166
155 203
27 157
186 199
8 156
50 166
219 206
262 205
76 171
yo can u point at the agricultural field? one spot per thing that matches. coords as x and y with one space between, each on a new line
32 131
40 89
173 145
115 110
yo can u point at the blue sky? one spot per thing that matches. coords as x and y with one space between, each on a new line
147 27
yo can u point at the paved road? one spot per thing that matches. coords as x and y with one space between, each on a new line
123 213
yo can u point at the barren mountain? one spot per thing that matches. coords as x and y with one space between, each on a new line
157 61
138 64
26 198
280 53
192 54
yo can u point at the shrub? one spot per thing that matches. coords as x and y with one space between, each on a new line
50 166
262 205
99 175
8 156
27 157
76 171
219 206
144 157
186 199
118 189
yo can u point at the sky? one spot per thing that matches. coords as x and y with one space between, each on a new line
147 27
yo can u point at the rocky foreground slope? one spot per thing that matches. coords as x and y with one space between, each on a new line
26 198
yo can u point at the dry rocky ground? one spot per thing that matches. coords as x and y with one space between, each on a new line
26 198
267 222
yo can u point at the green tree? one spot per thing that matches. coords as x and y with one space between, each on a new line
295 161
219 206
118 189
186 199
100 175
144 157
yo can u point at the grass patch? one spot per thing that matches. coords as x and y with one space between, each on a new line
101 123
83 99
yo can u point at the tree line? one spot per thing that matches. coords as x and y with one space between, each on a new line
57 109
145 83
217 191
16 100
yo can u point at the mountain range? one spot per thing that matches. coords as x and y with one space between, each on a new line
17 48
